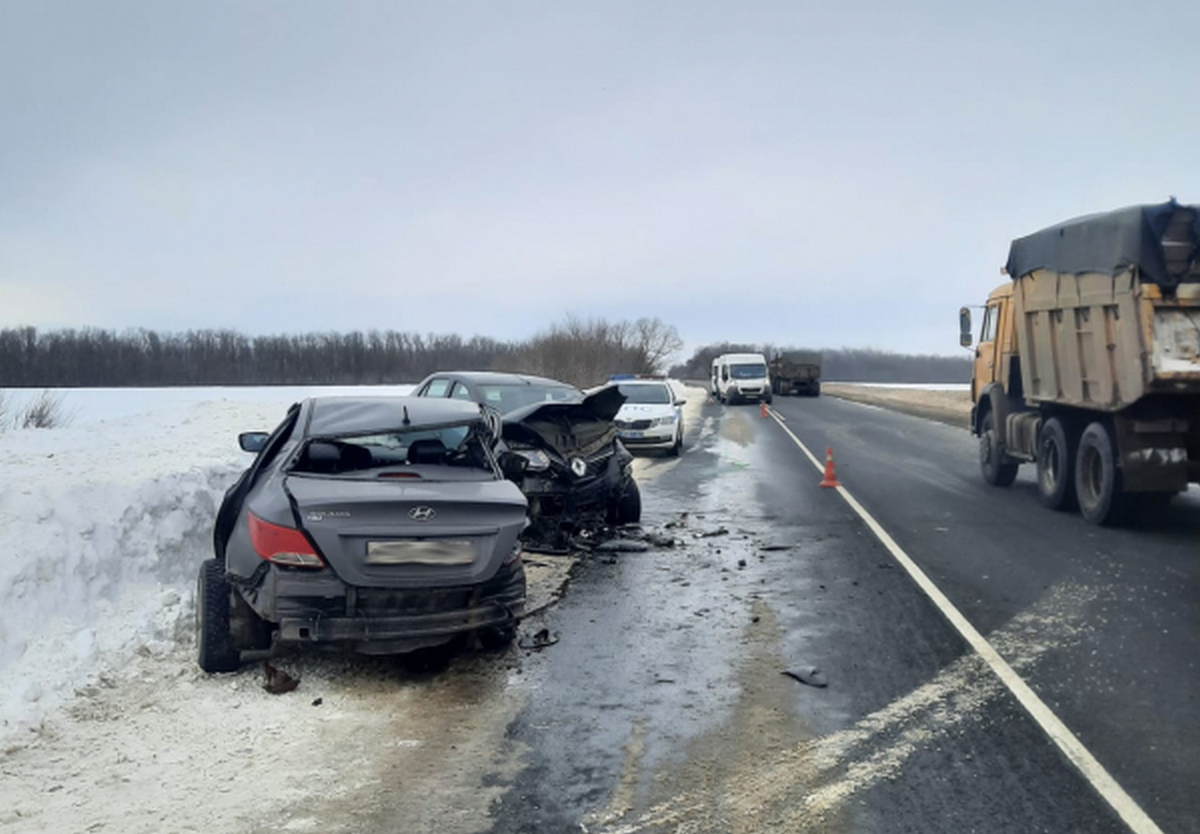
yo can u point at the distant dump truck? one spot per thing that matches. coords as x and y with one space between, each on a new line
796 372
1088 362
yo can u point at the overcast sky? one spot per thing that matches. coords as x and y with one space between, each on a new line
821 174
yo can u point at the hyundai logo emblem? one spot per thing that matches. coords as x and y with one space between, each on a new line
579 467
422 513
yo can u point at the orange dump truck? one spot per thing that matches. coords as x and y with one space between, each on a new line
1088 362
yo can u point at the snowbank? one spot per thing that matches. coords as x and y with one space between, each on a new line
105 522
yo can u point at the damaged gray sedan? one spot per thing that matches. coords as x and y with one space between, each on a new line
382 524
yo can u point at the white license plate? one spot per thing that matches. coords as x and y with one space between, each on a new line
633 435
423 552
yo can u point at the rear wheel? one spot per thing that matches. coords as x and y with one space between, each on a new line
815 391
213 639
1097 480
997 469
1055 467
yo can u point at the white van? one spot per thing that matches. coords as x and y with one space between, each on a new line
738 377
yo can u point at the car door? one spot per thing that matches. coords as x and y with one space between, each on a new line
232 503
985 354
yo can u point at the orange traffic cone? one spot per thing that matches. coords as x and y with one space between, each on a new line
830 476
763 409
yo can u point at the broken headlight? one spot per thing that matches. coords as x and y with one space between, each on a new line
535 459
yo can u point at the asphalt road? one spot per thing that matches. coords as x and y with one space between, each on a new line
662 706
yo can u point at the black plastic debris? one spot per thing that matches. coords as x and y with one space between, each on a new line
808 675
538 640
318 701
771 547
278 681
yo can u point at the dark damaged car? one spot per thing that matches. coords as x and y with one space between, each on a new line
559 445
381 524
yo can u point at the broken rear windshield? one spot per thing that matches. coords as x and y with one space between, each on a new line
748 371
453 445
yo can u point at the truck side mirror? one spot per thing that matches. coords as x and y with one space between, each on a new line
964 327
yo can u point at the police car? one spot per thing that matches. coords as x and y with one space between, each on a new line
652 416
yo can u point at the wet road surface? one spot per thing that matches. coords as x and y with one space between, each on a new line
662 706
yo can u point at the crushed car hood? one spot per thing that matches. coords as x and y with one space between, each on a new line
567 427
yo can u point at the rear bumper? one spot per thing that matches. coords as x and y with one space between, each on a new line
323 609
418 627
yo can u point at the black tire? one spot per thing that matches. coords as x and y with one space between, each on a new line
628 508
678 444
997 469
815 391
770 399
1097 480
213 640
1056 466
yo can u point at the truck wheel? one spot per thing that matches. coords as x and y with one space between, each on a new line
815 391
213 640
1055 467
997 471
1097 481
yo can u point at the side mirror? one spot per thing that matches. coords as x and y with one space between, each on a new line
964 327
681 402
253 441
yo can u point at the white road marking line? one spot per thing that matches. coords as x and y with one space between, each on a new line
1103 782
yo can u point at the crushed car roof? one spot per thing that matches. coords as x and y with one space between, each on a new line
1162 241
362 415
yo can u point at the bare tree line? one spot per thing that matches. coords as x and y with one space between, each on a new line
844 364
577 351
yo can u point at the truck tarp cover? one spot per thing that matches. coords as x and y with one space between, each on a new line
1109 243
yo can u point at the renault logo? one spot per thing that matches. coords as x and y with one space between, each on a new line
579 467
422 513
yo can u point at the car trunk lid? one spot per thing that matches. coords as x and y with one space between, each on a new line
390 533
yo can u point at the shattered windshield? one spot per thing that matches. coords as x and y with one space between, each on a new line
752 371
506 398
646 394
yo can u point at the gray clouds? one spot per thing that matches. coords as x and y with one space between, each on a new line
825 174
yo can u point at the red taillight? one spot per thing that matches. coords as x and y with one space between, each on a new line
282 545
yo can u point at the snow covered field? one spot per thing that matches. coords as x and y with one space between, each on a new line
106 520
